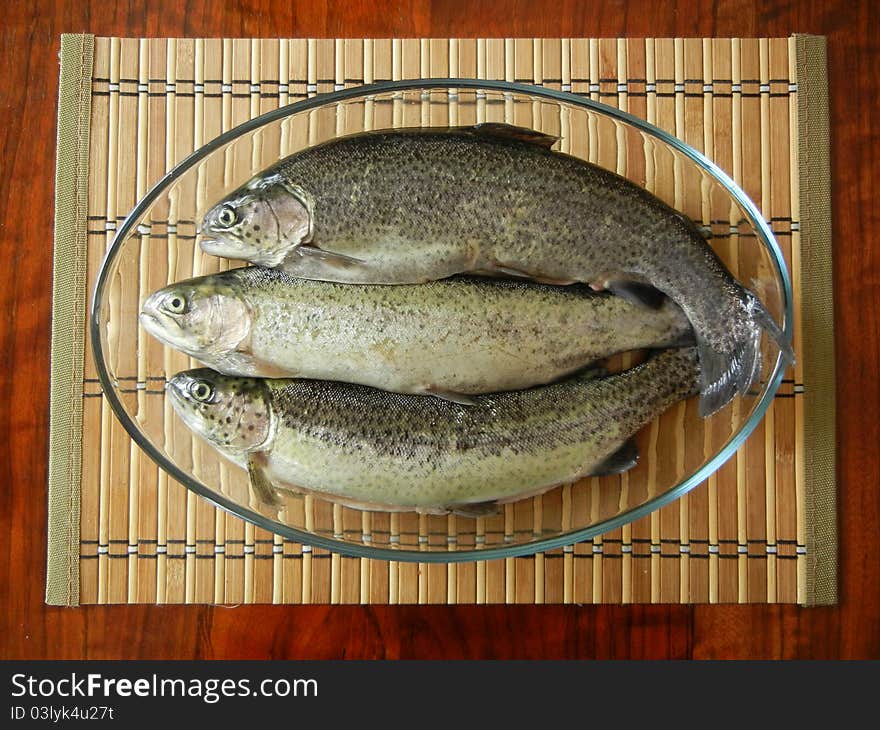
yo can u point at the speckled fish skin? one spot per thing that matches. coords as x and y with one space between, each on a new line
366 447
407 206
462 335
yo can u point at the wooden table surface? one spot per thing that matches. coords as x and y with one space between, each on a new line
28 97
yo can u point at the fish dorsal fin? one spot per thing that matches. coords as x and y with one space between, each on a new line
498 130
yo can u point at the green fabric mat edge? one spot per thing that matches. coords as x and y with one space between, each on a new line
818 321
68 319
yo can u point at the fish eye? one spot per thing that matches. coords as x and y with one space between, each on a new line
227 216
176 304
201 391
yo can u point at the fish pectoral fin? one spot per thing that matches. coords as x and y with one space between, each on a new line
623 459
495 269
264 491
328 258
449 395
270 370
635 292
553 282
243 362
475 510
520 134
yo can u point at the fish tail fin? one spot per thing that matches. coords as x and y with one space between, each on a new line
724 375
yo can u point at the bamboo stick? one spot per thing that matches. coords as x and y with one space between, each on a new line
708 76
783 455
752 164
106 417
737 129
796 264
93 405
769 417
138 492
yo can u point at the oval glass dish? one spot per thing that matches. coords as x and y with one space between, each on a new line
158 244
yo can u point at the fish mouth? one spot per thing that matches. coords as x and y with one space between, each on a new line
175 395
177 389
159 328
215 246
150 322
180 404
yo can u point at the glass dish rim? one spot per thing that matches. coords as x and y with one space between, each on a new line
352 549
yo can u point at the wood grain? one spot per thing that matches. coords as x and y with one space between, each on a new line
28 94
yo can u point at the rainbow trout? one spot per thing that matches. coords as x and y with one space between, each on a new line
408 206
371 449
446 338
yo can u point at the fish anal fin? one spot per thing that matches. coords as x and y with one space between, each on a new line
500 270
475 510
625 458
681 333
592 372
686 338
264 490
520 134
633 290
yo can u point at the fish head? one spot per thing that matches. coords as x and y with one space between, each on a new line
261 222
233 414
203 317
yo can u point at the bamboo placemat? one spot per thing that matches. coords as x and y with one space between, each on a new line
761 529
